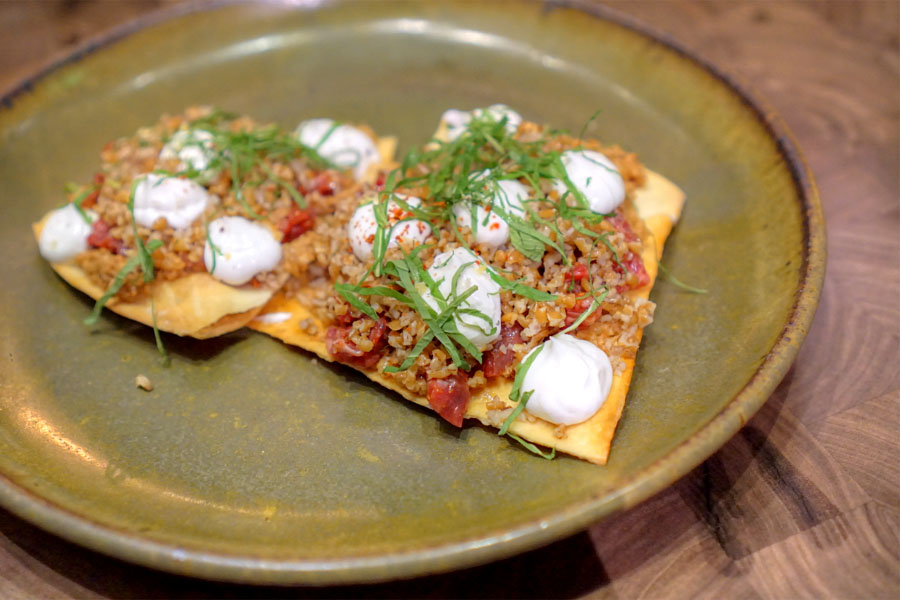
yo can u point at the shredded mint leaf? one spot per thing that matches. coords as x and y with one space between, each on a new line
119 281
595 304
674 280
80 199
534 449
515 393
523 240
215 250
159 344
515 413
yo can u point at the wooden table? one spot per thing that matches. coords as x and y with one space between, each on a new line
805 500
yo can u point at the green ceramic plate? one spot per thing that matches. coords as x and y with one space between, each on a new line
251 461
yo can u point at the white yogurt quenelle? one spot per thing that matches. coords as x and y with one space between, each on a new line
404 228
65 233
571 379
457 121
179 200
485 299
490 228
596 177
344 145
194 149
243 249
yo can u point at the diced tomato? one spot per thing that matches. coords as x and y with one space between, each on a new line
578 272
633 264
582 305
337 340
298 222
631 261
620 224
379 181
449 397
346 318
322 183
100 238
91 199
496 361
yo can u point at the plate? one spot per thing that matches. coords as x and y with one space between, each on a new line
250 461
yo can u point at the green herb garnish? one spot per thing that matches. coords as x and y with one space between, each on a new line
597 301
80 199
534 449
133 262
143 255
213 249
678 283
157 336
240 153
516 395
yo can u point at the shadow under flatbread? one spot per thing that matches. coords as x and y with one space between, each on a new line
187 348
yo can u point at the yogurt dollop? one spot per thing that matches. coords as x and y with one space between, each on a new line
571 379
344 145
65 233
485 299
193 148
457 121
243 249
490 228
596 177
179 200
362 226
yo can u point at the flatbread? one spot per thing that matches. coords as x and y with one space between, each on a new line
659 203
196 305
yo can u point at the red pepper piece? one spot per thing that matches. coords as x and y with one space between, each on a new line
100 238
91 199
298 222
496 361
578 272
620 224
633 264
344 350
582 305
322 183
449 397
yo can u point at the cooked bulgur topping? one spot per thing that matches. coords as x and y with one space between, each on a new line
406 273
157 193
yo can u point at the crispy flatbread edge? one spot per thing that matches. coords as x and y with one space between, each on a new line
197 305
659 203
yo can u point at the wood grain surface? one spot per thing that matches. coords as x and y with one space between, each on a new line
805 501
